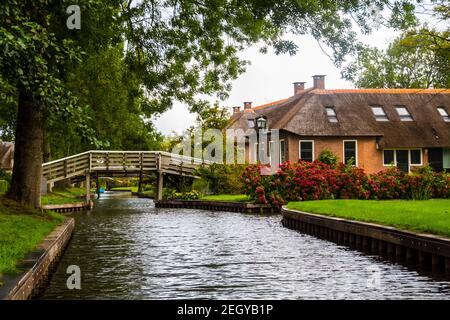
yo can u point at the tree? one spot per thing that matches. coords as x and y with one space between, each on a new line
176 49
413 60
418 58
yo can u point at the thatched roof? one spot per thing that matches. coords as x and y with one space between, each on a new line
304 114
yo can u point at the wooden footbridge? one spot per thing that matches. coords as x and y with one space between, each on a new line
121 163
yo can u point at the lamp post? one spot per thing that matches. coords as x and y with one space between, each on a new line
261 124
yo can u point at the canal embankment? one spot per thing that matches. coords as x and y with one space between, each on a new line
31 243
232 206
379 234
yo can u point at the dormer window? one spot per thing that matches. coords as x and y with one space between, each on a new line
444 114
379 113
403 113
331 114
251 123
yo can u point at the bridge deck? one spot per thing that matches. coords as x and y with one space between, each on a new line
120 162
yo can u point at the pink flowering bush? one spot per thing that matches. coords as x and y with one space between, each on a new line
315 181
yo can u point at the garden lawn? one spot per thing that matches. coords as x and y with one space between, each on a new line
430 216
21 230
69 195
227 197
131 189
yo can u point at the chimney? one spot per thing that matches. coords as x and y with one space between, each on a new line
247 105
298 87
319 81
236 109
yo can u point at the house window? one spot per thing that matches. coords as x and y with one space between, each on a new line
402 158
379 113
282 151
350 152
415 157
331 114
403 113
306 150
251 123
444 114
388 157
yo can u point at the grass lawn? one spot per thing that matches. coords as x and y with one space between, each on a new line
70 195
21 230
430 216
227 197
131 189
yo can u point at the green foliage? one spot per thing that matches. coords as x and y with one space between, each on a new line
5 176
4 185
223 178
417 59
189 195
328 157
200 185
21 231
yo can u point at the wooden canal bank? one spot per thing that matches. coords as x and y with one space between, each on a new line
244 207
422 251
38 266
69 207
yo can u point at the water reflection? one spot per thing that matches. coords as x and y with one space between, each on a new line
127 249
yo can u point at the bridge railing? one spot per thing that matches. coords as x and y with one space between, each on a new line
120 161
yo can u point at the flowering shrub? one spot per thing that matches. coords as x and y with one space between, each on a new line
315 181
441 185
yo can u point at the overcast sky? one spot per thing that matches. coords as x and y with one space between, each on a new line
270 77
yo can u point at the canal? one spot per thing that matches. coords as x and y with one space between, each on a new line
128 249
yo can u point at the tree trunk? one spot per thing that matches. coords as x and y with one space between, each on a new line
28 153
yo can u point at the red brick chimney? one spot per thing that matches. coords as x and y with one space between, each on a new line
319 81
236 109
247 105
298 87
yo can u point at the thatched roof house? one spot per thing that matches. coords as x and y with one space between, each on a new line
377 127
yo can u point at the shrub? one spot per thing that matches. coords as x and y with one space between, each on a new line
5 176
387 184
223 178
441 185
190 195
4 186
328 157
316 181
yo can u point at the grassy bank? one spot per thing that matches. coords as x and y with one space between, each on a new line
21 230
130 189
63 196
227 197
430 216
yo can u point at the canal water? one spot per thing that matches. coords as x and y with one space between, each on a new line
128 249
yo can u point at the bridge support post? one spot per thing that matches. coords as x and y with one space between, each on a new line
159 185
88 187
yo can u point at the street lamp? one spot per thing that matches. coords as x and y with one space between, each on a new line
261 124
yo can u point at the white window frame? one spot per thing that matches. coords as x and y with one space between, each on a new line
379 118
446 115
409 157
356 149
284 150
300 149
404 117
